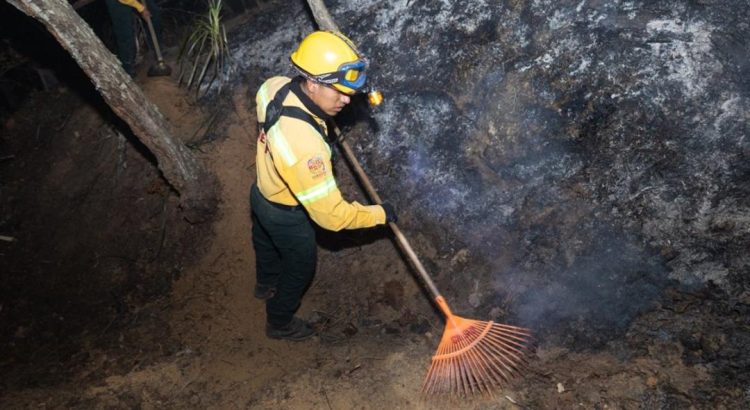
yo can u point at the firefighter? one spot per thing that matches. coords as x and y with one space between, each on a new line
295 185
121 12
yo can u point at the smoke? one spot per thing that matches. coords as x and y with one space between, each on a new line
591 297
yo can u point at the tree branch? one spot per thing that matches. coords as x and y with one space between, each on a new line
322 16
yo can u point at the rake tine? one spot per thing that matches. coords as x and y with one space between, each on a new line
510 336
511 357
483 377
436 372
510 328
490 358
505 353
491 367
468 388
504 359
439 378
476 353
464 345
454 381
448 379
475 357
475 379
448 376
429 379
507 345
499 370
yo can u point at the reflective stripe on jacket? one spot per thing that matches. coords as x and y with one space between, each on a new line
293 164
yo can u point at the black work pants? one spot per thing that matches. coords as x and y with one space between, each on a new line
285 255
123 18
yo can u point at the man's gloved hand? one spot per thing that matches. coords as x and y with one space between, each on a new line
390 213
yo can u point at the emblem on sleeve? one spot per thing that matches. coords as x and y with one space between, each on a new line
317 166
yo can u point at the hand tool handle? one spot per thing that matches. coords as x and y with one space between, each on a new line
154 39
400 238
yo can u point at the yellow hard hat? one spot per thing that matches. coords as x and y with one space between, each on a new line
331 58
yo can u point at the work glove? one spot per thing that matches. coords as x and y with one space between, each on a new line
390 213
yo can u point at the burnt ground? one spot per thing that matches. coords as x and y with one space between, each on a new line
110 299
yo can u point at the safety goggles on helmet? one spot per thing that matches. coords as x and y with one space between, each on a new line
350 75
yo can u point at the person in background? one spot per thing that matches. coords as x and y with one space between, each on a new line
122 13
295 185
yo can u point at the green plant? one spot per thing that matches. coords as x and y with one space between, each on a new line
206 51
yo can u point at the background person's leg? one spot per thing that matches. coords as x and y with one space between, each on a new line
122 26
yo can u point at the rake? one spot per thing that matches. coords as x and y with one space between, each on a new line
474 358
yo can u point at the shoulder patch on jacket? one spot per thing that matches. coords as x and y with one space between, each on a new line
316 166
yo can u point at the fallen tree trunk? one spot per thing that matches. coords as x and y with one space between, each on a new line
178 165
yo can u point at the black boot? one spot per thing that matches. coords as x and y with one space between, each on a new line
297 330
264 292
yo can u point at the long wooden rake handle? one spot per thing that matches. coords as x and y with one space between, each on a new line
400 238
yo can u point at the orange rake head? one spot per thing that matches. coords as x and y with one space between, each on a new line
475 357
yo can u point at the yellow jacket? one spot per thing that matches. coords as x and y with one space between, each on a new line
294 167
133 3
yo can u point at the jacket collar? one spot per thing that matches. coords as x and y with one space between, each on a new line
296 88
